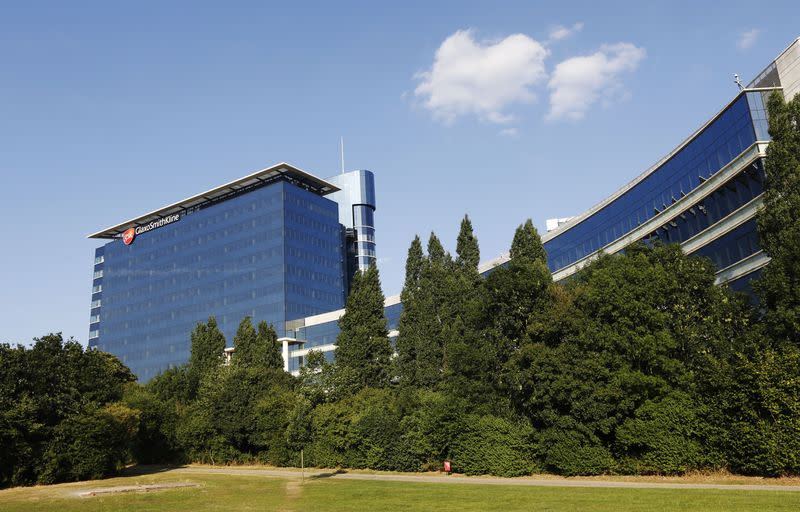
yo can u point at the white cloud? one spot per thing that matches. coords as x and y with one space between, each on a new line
509 132
560 32
481 78
578 82
747 39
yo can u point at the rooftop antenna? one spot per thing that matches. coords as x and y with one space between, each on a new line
341 140
738 81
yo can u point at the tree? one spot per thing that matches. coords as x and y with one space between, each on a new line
299 432
363 349
269 345
410 316
245 341
208 345
467 249
646 322
779 221
435 301
257 348
58 414
514 294
527 243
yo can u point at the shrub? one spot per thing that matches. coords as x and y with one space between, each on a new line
496 446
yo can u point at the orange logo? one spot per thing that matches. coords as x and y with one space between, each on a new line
128 236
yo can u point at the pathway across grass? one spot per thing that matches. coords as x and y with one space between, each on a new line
246 489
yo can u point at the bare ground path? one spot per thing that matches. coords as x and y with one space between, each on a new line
457 479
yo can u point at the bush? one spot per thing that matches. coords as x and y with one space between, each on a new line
663 437
496 446
571 453
90 444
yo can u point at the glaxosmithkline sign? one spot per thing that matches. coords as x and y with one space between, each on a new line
129 234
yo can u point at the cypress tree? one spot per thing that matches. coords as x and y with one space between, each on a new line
779 221
435 301
527 244
363 350
268 346
467 249
246 343
410 321
516 293
208 344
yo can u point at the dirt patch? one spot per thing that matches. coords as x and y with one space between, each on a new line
88 493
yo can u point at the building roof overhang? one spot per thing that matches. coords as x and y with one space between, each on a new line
273 173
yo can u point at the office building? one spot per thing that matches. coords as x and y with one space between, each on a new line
703 195
270 245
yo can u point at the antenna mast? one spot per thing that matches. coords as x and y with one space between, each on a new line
341 140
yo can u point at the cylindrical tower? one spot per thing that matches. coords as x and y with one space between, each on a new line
357 205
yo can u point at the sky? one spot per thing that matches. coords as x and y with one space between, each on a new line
500 110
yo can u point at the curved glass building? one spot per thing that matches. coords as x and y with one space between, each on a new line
281 245
703 195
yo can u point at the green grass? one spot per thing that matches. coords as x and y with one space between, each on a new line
251 493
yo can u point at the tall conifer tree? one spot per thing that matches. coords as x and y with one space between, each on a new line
363 350
514 294
527 243
208 344
779 221
467 250
269 346
435 298
410 317
246 343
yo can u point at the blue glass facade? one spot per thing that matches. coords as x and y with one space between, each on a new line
357 206
274 253
723 141
741 124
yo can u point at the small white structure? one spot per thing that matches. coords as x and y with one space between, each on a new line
553 224
227 355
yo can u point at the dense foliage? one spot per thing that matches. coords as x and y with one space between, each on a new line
639 364
61 415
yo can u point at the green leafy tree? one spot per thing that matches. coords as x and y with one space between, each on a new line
57 399
779 221
646 322
207 346
363 349
299 432
269 346
411 315
469 254
245 341
155 439
516 294
257 348
435 302
527 243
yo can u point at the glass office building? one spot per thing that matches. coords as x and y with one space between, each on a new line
270 246
356 200
703 195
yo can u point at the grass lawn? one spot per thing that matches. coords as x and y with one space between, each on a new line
251 493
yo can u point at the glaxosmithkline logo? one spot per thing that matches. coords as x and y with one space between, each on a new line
128 236
130 233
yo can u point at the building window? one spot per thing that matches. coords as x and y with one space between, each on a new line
94 334
97 274
95 304
97 288
99 259
94 318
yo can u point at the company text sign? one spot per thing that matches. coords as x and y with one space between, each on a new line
131 233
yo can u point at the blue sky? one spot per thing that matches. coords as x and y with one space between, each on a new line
503 110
